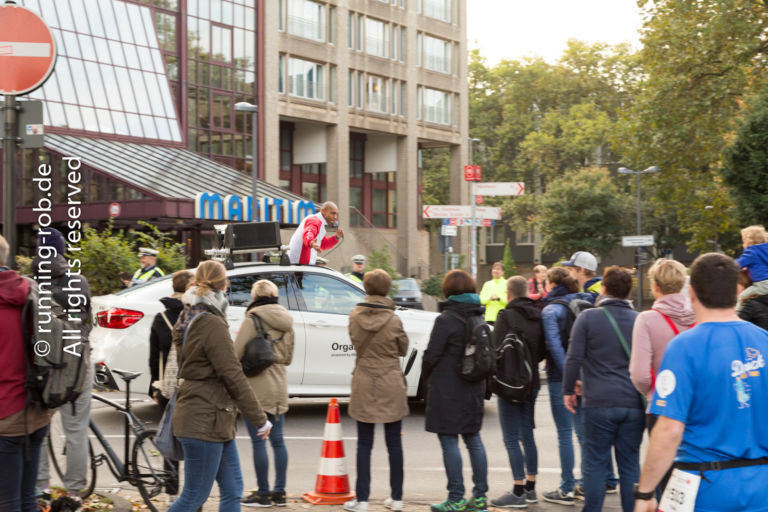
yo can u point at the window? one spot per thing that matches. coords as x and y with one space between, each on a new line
239 289
359 89
351 89
495 235
393 50
306 19
438 9
351 31
281 74
524 237
305 79
332 84
402 44
437 54
402 98
377 94
376 38
325 294
359 32
331 25
437 106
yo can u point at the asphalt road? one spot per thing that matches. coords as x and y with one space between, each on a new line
424 473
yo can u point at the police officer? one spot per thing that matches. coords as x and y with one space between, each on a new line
148 271
358 268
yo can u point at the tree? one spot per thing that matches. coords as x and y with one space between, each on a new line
508 262
584 211
380 258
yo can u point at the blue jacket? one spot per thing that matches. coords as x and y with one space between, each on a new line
755 258
596 356
553 320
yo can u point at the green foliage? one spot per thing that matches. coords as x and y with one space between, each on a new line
23 265
380 258
584 211
171 254
431 286
508 262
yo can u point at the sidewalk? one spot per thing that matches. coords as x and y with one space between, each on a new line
129 500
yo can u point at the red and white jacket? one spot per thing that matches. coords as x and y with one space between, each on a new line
311 228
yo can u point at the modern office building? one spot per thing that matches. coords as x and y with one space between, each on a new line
349 92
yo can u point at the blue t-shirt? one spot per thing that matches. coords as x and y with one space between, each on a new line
713 378
755 258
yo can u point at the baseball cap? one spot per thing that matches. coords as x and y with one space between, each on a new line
581 259
145 251
358 258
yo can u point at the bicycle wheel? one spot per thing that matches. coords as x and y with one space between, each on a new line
57 449
152 472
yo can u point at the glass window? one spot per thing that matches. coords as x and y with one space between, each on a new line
281 15
110 83
351 31
351 88
221 44
105 120
332 84
120 122
78 14
116 51
305 79
437 106
139 89
80 82
99 92
377 94
110 25
51 89
393 49
403 98
71 45
121 14
148 123
359 32
239 46
376 38
155 96
149 28
239 289
331 25
227 13
126 91
65 17
89 119
56 111
134 13
131 56
359 93
306 19
73 116
438 9
281 74
403 35
94 18
437 54
102 50
326 294
250 18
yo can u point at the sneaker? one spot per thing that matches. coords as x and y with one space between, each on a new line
610 489
558 496
449 506
478 504
278 499
395 505
256 500
578 492
530 496
356 506
510 500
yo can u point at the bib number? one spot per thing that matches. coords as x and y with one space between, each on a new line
680 493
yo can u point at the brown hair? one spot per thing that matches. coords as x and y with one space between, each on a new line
669 276
560 275
754 235
211 276
617 282
457 282
181 280
377 282
517 287
713 278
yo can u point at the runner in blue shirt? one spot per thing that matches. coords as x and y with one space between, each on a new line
712 400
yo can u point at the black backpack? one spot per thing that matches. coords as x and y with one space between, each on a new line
258 355
574 307
477 360
514 376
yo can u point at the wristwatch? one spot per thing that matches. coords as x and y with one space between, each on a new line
645 496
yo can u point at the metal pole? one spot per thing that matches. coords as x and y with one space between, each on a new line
9 179
255 163
473 228
639 251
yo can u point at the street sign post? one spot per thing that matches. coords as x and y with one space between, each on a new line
447 230
637 241
458 211
512 188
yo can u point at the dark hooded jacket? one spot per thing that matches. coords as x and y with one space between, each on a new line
755 310
524 318
160 339
454 406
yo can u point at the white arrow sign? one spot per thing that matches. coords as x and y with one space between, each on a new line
637 241
512 188
449 211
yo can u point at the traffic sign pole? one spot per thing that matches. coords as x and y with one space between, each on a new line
9 179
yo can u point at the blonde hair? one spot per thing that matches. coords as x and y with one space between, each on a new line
669 276
211 276
264 288
540 268
754 235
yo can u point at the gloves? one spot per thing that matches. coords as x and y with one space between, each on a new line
263 430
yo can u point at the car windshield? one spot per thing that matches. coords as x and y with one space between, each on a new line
408 285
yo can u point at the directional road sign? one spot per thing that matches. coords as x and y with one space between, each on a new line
27 50
448 230
512 188
637 241
460 212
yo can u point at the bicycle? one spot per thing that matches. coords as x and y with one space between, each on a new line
143 467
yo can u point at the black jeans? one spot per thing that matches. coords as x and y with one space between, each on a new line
393 439
18 471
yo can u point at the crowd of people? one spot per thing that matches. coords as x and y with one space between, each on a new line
690 371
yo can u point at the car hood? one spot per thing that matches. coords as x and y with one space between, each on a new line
406 293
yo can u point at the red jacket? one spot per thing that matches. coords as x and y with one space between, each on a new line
13 373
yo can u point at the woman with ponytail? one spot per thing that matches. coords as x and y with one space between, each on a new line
212 390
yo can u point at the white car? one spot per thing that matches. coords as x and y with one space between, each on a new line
318 298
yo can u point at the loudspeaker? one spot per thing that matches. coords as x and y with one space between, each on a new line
253 235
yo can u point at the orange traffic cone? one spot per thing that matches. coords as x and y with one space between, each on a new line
332 485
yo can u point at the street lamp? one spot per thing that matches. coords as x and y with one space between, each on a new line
649 170
473 227
244 106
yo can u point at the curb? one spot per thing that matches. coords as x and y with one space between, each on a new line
119 503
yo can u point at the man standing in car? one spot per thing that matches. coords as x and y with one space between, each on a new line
309 238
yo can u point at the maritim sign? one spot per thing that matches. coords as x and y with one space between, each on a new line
209 205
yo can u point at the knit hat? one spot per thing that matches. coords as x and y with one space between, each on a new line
51 237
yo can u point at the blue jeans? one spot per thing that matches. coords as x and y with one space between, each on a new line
204 462
393 440
18 472
260 458
564 422
578 426
453 469
621 428
516 421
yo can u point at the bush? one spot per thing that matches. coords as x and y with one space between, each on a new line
380 258
431 286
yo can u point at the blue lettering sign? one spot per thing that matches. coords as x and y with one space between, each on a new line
210 201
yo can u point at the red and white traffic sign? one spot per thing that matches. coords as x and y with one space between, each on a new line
27 50
114 209
512 188
455 211
472 173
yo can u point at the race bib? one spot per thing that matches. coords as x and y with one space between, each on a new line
680 493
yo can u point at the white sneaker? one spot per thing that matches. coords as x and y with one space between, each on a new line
395 505
356 506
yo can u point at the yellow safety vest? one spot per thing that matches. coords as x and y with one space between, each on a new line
146 275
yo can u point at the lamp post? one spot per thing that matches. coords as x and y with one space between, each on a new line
649 170
473 227
244 106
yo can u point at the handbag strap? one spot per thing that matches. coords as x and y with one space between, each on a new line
184 342
669 321
623 342
167 322
259 325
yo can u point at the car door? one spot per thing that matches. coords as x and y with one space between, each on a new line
239 294
326 302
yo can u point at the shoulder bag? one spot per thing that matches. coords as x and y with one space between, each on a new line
258 355
624 344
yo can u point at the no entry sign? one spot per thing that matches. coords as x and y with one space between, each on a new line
27 50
